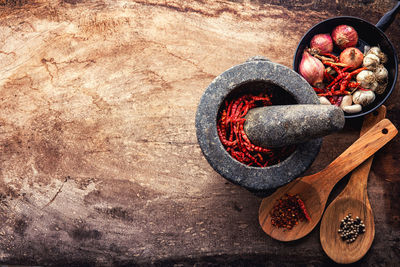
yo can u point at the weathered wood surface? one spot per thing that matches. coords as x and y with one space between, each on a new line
99 162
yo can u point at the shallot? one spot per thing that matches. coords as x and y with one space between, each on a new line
311 69
345 36
352 57
322 43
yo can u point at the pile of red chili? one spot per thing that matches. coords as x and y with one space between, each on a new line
338 76
231 132
288 211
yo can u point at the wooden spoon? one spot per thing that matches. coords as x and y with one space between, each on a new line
353 199
314 189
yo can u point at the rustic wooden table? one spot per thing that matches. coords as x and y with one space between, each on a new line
99 162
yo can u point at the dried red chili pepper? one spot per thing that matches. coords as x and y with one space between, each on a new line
333 65
303 208
340 85
230 127
335 58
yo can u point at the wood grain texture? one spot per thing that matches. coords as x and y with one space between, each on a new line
99 163
314 189
353 199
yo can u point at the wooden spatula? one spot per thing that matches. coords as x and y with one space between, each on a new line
353 199
314 189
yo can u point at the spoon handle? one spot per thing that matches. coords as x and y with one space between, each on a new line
353 156
357 185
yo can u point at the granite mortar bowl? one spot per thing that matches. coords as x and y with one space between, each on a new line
254 74
368 34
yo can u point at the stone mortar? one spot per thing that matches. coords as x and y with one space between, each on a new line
261 181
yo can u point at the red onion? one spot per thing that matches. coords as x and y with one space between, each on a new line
345 36
311 69
322 43
352 57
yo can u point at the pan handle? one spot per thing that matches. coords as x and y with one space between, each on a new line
388 18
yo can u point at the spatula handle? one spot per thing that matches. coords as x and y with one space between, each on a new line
358 152
357 184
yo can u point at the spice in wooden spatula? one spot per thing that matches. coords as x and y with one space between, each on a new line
288 211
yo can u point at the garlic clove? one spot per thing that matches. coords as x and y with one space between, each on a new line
346 101
363 98
381 88
324 101
353 108
381 74
366 78
371 61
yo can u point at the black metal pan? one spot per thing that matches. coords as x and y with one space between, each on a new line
368 34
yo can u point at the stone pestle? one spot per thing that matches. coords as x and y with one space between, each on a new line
277 126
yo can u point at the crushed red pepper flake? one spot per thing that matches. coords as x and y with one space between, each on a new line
288 211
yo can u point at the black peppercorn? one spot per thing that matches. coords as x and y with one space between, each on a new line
349 229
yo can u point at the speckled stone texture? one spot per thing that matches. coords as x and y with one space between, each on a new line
261 181
277 126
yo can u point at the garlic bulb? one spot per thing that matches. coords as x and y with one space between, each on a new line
371 61
373 86
324 101
381 88
377 52
374 50
353 108
346 101
366 78
381 74
363 97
